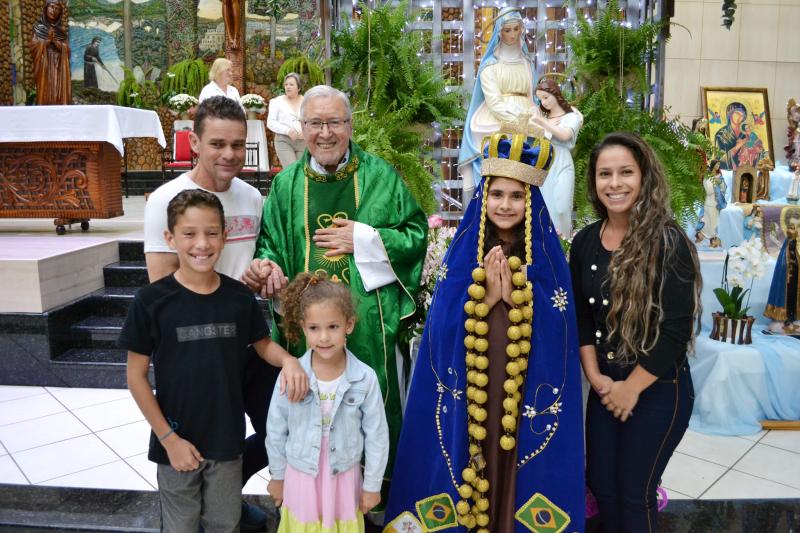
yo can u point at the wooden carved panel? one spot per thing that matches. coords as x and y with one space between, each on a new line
42 180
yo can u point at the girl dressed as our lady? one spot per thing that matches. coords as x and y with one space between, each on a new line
492 434
503 92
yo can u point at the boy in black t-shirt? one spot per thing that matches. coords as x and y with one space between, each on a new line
196 325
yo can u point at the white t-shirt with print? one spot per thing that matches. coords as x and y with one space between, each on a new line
242 204
327 399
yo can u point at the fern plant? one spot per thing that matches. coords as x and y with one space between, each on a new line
401 145
396 97
305 66
610 48
188 76
680 150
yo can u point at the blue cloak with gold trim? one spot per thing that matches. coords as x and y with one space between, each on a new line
433 448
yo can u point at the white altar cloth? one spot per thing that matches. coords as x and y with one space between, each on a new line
100 123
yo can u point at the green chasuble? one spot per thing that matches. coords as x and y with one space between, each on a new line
366 190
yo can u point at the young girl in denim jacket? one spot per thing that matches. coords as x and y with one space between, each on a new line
315 446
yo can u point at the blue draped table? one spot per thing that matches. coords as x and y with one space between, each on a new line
737 386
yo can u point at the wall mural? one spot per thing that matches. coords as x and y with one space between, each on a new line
147 36
103 41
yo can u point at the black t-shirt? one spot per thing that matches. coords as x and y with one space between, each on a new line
589 262
198 344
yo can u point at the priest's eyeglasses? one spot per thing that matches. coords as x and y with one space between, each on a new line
333 125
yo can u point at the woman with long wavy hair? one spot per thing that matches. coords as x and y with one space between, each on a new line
637 286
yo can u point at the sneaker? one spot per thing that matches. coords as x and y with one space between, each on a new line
254 520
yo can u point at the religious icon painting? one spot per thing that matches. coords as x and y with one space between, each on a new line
738 125
540 515
437 512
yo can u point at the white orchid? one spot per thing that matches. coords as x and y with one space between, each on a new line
744 262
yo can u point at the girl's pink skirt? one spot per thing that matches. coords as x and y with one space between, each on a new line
322 504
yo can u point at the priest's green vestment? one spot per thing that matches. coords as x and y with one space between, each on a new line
367 190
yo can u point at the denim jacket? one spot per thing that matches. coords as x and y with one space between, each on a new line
358 425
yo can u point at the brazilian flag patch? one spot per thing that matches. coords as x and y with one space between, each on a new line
540 515
437 512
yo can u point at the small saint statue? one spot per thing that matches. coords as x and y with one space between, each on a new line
762 188
792 147
794 189
49 48
714 187
783 304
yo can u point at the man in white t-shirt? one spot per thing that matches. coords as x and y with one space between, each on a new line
219 137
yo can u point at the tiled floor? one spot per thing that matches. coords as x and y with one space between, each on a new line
89 438
97 438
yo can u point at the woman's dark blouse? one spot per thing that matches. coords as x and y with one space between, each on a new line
589 262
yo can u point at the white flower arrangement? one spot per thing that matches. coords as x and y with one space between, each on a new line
182 102
252 101
746 261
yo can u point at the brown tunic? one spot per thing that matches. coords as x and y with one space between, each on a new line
500 464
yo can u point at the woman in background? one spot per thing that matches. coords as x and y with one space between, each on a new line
219 84
284 121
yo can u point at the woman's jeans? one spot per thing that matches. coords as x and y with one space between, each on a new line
625 460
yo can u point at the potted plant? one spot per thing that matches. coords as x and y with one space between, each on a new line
180 104
748 260
253 104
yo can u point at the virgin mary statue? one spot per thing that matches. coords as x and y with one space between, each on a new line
503 92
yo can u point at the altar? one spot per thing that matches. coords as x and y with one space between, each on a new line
64 161
737 386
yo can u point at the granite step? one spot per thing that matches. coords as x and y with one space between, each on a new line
92 368
36 508
93 356
131 250
112 301
102 331
125 274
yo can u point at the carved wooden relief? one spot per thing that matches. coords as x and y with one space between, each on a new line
59 179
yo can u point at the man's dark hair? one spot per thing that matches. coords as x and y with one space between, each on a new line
192 198
218 107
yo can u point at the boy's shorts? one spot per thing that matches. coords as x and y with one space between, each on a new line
210 496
